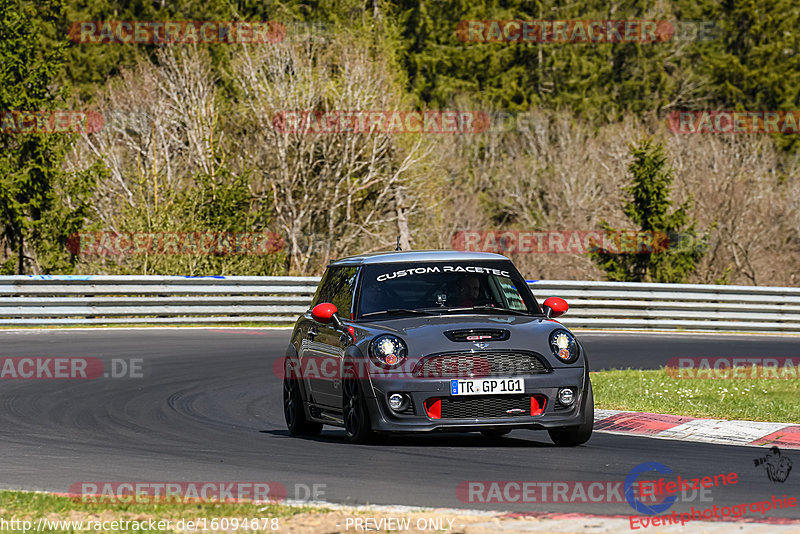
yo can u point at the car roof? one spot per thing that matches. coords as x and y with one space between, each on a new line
410 256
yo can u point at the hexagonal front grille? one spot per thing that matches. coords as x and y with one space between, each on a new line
486 407
480 364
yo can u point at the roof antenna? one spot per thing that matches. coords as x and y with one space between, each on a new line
398 244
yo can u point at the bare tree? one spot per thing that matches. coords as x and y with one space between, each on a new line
159 123
535 171
331 192
745 191
547 171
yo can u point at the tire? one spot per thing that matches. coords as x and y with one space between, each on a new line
357 426
576 435
495 433
293 411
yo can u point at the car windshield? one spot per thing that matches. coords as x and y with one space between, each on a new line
393 289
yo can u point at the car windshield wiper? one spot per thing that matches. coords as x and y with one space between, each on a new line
398 311
486 307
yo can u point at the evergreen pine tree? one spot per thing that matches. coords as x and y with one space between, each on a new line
676 247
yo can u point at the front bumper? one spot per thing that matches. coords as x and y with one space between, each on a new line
420 390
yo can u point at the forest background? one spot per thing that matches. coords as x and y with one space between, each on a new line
577 141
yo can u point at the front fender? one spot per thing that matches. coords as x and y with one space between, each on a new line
353 356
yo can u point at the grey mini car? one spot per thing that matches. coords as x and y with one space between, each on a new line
425 341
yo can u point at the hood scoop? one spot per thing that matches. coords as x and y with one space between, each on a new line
481 334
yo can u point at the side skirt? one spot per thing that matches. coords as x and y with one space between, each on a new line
326 415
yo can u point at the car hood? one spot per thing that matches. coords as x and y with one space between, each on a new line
425 335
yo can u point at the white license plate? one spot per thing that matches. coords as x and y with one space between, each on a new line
487 386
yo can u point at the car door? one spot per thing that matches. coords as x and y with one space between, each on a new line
308 351
323 345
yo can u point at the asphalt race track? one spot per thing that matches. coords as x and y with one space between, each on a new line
208 408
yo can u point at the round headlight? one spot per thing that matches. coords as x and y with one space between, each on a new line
388 350
564 346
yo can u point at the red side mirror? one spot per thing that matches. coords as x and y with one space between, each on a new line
555 306
323 312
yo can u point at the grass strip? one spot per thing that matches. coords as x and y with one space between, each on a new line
655 391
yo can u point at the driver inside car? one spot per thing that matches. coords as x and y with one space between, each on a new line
375 298
468 292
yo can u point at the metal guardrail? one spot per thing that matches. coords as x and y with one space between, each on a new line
695 307
74 300
65 300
